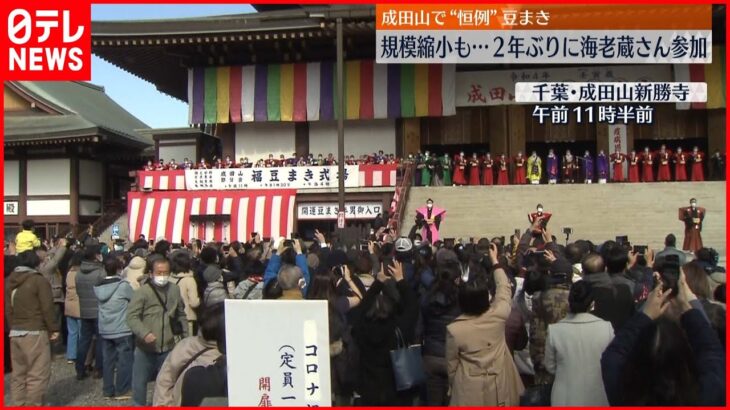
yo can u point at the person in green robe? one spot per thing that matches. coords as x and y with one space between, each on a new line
425 171
446 164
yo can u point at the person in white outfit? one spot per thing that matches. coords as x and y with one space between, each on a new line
573 352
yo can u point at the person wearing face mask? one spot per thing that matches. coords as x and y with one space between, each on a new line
114 294
692 216
460 164
157 318
91 273
534 168
537 215
429 218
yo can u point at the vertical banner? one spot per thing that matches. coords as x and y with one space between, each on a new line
289 367
617 142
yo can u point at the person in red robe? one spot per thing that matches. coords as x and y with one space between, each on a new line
160 166
474 164
172 165
680 165
270 162
698 165
203 164
503 172
532 217
460 163
219 164
569 167
488 175
149 167
617 159
692 216
664 156
229 162
647 171
519 176
633 167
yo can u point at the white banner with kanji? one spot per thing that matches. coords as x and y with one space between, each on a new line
278 353
329 210
270 178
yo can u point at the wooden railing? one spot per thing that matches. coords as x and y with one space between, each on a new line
400 196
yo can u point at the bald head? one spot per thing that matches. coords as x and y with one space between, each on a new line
289 277
593 263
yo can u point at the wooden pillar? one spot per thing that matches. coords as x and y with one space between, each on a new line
74 197
411 135
23 188
602 138
227 135
715 131
301 138
516 129
498 135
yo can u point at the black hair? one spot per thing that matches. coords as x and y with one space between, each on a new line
705 255
535 281
580 297
322 287
76 259
616 259
180 262
112 265
208 255
660 370
212 320
382 308
152 260
720 293
163 247
288 257
574 253
272 290
28 224
474 295
670 240
445 286
91 252
29 259
363 264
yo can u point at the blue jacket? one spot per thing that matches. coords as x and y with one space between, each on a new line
272 269
709 357
114 295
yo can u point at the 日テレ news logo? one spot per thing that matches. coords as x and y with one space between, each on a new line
46 41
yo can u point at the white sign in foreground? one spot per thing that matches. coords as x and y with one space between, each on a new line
278 353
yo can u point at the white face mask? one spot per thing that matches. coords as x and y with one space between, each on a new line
693 205
417 243
160 280
429 206
539 210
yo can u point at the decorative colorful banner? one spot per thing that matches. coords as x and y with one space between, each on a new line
306 92
270 178
713 74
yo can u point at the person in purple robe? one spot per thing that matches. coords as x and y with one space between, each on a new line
602 167
552 167
587 168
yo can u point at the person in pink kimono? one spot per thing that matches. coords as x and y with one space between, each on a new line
429 219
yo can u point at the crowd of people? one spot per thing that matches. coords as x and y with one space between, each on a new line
647 166
501 322
293 161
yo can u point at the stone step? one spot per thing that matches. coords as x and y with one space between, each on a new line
597 212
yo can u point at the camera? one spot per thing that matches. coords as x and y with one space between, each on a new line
640 249
567 231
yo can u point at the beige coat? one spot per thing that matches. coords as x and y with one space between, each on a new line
169 380
189 293
481 369
71 306
134 271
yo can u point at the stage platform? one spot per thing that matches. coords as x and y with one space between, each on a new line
644 212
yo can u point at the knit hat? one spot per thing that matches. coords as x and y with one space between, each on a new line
212 273
403 244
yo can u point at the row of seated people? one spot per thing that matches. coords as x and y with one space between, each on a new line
271 162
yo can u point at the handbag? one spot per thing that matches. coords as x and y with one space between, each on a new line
407 364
